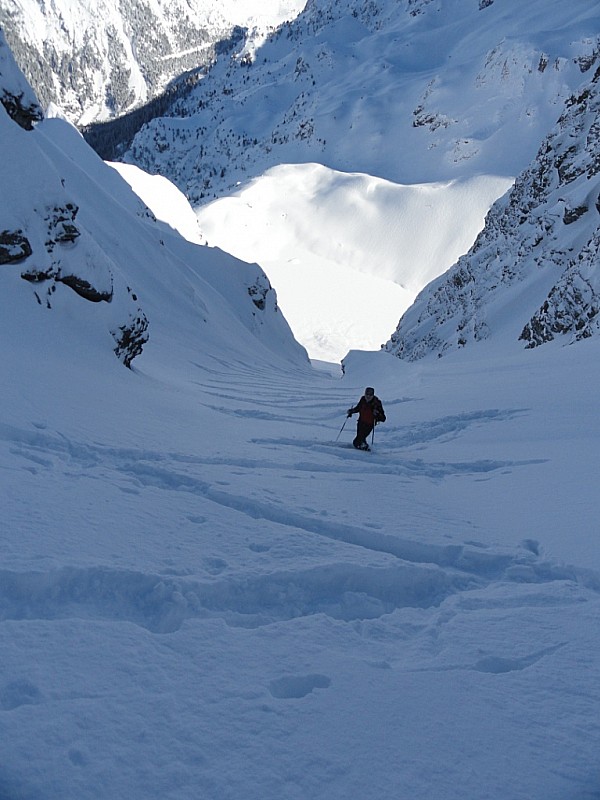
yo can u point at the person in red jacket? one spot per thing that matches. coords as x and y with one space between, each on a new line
370 412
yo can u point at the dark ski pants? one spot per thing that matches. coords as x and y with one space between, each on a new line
363 429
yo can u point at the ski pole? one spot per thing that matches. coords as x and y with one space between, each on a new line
373 435
342 428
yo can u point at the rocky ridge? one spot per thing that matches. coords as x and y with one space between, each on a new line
538 253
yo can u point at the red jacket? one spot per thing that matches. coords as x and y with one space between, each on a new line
369 413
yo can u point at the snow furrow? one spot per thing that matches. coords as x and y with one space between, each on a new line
161 604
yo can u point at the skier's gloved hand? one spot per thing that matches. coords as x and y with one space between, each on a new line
349 412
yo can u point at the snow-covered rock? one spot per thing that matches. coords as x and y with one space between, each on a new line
85 265
532 274
17 97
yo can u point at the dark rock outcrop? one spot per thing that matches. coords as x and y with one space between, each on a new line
14 247
130 338
18 109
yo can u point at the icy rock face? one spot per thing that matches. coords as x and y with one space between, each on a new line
14 246
23 114
573 303
538 252
259 291
66 254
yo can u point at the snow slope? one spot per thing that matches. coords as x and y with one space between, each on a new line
205 591
80 249
203 594
347 253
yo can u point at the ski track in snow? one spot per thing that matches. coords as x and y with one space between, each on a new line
416 574
222 587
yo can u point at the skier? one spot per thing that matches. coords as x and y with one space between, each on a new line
370 412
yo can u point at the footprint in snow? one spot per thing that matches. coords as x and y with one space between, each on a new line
497 665
293 687
259 548
19 693
215 565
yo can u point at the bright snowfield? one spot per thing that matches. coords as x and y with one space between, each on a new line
347 253
206 592
318 235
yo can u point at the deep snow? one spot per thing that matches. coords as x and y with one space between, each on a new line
205 595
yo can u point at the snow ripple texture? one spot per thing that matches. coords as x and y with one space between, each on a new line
415 574
214 573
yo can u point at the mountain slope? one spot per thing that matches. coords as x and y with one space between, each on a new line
419 114
412 92
207 594
99 59
532 274
347 252
85 266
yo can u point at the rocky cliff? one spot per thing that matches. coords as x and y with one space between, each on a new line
533 273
